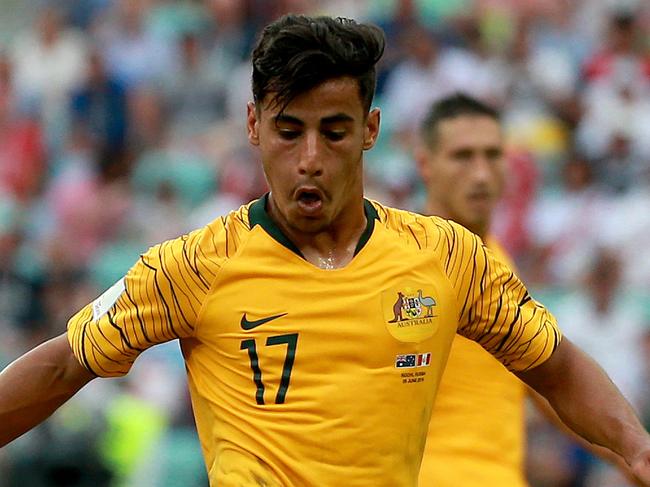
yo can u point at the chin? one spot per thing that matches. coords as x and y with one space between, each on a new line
311 226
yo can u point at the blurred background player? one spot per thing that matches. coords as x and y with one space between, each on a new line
477 430
477 441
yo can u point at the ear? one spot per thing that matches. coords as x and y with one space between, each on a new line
252 124
371 130
422 156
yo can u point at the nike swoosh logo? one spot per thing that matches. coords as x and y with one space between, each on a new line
249 325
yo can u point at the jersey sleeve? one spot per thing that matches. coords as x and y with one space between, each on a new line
157 301
496 309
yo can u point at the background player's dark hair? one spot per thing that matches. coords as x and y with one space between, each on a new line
296 53
453 106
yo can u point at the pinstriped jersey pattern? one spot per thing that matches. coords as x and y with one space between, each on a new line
496 310
164 294
292 401
476 434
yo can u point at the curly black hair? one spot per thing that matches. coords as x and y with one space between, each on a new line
297 53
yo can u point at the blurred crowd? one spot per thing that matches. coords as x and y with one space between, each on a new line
122 123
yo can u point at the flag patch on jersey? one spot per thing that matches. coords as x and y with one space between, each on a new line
411 360
424 359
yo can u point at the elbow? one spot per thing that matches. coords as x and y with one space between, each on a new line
548 377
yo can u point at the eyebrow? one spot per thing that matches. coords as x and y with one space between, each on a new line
287 119
339 117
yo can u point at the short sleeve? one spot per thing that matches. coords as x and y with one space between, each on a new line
496 309
157 301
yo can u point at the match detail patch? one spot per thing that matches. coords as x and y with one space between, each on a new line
102 304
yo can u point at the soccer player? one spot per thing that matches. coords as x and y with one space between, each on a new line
316 324
476 434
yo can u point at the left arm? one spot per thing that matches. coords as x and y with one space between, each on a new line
496 310
545 409
590 404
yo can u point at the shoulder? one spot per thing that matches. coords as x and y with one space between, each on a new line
225 235
429 232
209 246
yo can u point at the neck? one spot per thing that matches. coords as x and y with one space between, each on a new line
332 247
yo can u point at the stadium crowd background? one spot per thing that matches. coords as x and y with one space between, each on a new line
122 124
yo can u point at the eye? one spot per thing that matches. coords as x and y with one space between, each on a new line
494 154
334 135
288 134
463 155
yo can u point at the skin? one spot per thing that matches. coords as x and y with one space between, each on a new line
589 403
316 144
464 170
36 384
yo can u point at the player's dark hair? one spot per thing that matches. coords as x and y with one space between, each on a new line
297 53
453 106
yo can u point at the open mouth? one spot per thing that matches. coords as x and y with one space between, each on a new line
310 200
308 197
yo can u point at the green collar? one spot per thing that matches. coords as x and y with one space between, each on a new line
257 215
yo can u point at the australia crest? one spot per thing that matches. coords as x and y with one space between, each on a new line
410 312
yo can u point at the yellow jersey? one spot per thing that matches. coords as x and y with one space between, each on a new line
302 376
476 434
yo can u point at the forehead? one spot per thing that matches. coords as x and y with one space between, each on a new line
332 97
469 130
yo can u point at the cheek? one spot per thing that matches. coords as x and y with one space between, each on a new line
276 160
448 181
352 172
500 180
275 174
272 148
340 161
351 163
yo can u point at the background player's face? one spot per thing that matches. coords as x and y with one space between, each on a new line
312 153
465 171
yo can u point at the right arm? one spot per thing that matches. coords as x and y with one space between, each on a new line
37 384
156 302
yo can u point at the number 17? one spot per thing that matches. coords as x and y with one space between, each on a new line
291 340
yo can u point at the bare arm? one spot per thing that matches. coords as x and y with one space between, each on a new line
36 384
590 404
603 453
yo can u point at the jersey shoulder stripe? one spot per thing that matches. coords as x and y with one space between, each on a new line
431 233
162 297
495 309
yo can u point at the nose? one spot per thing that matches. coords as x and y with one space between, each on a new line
482 169
311 155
